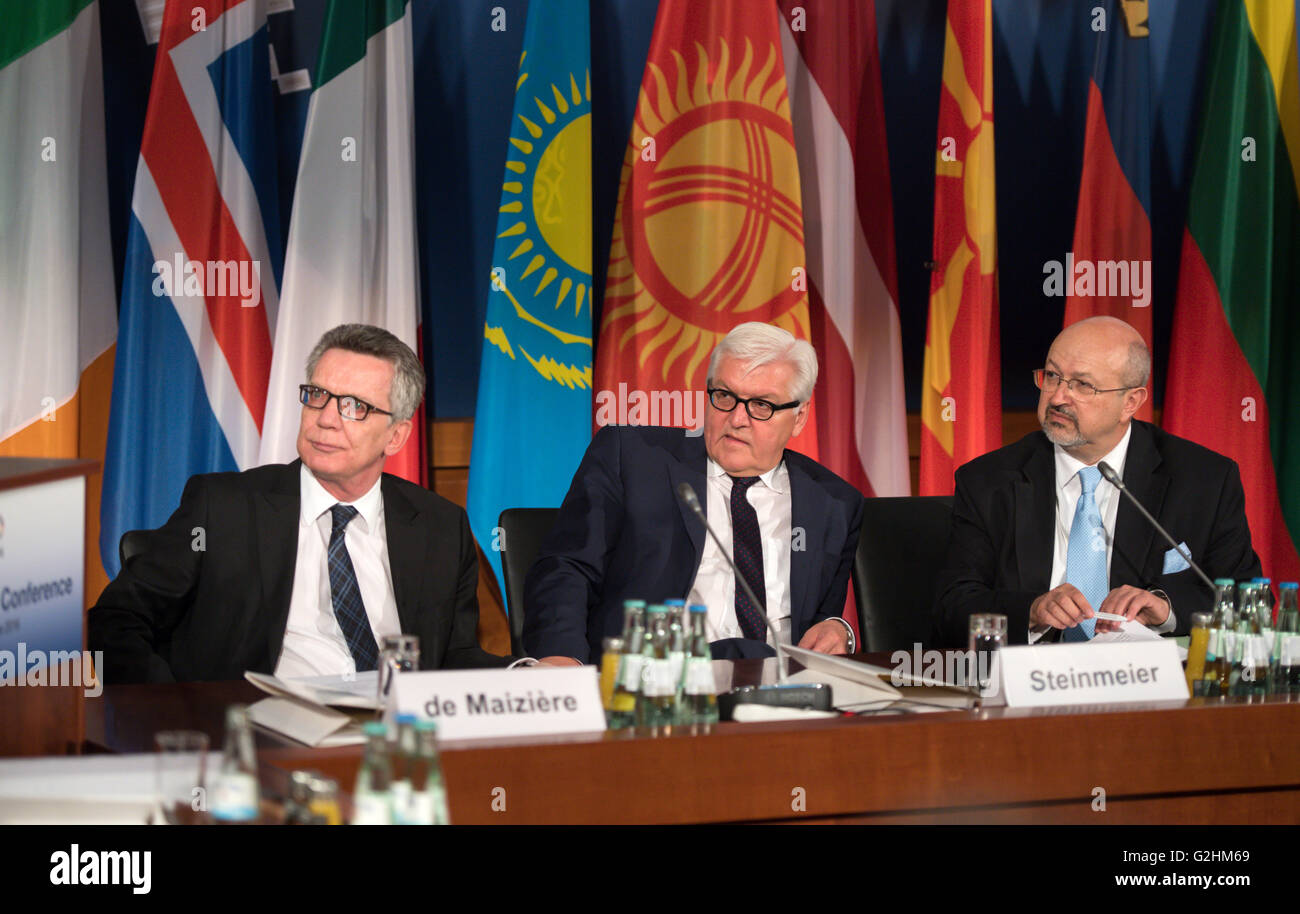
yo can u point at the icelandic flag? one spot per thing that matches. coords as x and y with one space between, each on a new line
203 263
533 418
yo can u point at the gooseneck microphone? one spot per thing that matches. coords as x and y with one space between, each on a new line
1113 478
692 501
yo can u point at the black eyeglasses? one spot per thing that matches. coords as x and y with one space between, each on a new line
349 407
1049 380
725 401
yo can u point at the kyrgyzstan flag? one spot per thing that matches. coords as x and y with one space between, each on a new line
708 232
961 390
1110 270
832 67
1232 362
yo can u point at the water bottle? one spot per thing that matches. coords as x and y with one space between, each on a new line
657 704
236 797
428 798
1286 652
699 690
1218 655
628 685
372 799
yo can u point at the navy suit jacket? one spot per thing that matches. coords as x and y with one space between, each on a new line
1003 529
623 533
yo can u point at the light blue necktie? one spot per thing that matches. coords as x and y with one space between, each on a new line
1085 559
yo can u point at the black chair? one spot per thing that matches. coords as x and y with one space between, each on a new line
130 545
522 533
902 547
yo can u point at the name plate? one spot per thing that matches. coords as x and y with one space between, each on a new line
477 704
1084 674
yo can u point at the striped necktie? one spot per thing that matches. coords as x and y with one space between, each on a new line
345 594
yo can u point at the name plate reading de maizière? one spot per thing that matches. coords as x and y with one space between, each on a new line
476 704
1084 673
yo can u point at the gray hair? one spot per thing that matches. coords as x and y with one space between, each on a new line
756 343
1137 367
407 387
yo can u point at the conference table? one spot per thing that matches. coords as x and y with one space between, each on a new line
1202 761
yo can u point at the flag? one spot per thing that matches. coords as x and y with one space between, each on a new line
832 69
200 280
533 419
708 232
352 240
961 389
1234 378
56 268
1110 269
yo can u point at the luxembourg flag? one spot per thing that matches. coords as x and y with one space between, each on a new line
203 262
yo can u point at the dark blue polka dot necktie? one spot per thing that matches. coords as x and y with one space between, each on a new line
748 548
345 593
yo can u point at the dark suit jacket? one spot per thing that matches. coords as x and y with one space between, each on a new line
623 533
1003 529
174 613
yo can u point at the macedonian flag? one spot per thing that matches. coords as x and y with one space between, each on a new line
709 228
961 391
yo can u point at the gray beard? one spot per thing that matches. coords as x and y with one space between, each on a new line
1063 438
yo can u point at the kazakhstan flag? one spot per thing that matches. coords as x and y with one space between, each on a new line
533 419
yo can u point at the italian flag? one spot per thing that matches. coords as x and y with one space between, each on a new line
1234 375
57 292
352 239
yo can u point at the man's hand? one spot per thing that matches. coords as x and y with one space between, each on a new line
558 661
826 637
1061 607
1132 603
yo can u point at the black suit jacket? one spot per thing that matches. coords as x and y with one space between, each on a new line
1003 529
177 612
623 533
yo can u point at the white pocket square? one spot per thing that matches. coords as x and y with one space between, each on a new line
1174 561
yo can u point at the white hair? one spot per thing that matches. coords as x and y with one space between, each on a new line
756 343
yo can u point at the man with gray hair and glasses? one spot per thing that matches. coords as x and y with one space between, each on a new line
1041 537
302 569
623 531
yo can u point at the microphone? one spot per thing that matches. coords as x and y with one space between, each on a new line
692 501
1113 478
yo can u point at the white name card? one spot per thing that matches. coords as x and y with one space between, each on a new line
477 704
1085 673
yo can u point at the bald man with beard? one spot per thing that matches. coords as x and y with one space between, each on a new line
1038 536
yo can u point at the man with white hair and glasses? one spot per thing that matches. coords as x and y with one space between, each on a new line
623 532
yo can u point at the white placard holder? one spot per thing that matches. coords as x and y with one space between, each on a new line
1086 673
480 704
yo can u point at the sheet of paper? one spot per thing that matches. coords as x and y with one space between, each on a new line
1128 631
309 724
361 691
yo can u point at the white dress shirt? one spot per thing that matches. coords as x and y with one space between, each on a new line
1068 490
313 641
715 584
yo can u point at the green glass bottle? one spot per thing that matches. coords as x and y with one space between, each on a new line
699 690
657 704
372 798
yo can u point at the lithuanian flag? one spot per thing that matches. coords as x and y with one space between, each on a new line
1238 303
961 391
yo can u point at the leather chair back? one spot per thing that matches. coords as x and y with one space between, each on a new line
900 552
523 530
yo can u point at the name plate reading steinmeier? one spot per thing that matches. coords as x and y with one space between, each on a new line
477 704
1086 673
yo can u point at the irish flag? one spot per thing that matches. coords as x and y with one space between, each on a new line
352 243
56 269
1234 375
